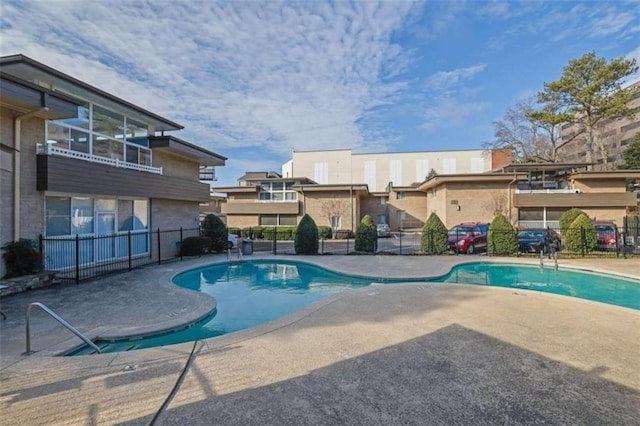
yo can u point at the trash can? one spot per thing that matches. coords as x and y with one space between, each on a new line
247 246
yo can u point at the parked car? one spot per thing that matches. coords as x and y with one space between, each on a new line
607 234
383 230
532 240
468 237
232 241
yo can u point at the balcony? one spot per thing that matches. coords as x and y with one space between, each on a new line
51 149
544 187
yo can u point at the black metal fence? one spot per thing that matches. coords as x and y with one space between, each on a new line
81 257
624 241
78 258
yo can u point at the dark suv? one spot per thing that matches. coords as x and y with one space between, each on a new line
468 237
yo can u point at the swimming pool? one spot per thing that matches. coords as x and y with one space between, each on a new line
250 293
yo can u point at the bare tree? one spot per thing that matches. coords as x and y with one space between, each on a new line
331 208
519 131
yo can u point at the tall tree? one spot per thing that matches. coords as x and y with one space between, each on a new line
631 154
590 90
519 131
549 117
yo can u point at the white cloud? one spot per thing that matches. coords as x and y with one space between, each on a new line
270 74
635 77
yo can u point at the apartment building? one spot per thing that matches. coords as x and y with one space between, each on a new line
76 160
612 136
378 170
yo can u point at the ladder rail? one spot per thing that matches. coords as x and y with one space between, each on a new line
55 316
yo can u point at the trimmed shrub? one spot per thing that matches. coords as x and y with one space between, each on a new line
325 232
282 233
195 246
581 235
216 230
343 234
366 236
567 218
306 239
435 238
501 237
21 258
234 231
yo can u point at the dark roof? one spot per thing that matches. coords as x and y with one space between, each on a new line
539 167
181 147
25 68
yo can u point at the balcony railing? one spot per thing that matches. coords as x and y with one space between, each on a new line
50 149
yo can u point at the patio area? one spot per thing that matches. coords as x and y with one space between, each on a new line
401 354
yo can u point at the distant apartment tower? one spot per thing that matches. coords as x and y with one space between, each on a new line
377 170
611 138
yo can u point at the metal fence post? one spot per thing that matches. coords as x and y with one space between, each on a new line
129 246
400 242
181 251
77 259
348 235
275 249
159 256
583 240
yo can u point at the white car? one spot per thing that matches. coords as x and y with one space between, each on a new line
232 241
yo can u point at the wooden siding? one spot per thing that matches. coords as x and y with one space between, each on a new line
72 176
261 208
599 199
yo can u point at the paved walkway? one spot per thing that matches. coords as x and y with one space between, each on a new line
403 354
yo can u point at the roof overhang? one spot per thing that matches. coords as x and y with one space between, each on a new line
542 167
610 174
25 68
186 149
438 180
24 97
332 188
235 189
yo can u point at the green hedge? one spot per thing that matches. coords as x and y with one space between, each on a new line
282 233
325 232
435 238
216 230
501 237
306 237
581 235
21 258
567 218
366 236
194 246
343 234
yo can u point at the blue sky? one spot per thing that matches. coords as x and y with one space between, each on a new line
253 80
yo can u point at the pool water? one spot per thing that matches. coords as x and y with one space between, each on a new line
254 292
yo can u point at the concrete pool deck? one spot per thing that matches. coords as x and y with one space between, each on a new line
402 354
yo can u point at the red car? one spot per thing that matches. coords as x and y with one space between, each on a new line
607 233
468 237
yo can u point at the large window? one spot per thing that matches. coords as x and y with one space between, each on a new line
277 191
103 133
77 215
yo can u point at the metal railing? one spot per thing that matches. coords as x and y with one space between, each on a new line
27 317
49 149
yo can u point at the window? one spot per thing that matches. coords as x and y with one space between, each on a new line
268 220
370 174
395 172
336 222
401 195
383 201
101 132
422 169
321 173
288 220
477 165
277 191
76 215
449 165
382 218
401 215
58 216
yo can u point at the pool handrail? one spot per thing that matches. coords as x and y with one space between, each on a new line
27 316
